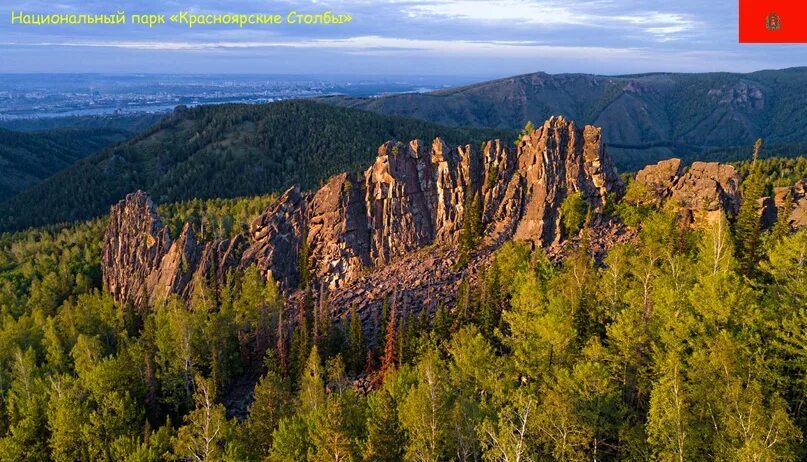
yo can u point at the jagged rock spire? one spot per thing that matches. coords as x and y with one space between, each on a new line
412 196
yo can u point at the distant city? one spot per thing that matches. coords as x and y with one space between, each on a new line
34 96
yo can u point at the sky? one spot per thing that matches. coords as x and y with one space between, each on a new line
397 37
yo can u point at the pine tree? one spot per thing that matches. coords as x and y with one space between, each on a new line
442 323
747 229
472 227
290 441
486 316
303 263
282 349
383 319
325 326
409 341
528 130
300 346
357 350
782 226
322 318
312 383
402 345
385 437
272 401
388 361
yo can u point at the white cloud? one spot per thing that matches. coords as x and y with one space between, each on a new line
369 44
552 13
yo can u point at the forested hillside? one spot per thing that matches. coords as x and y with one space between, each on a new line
28 158
645 118
684 344
132 123
222 151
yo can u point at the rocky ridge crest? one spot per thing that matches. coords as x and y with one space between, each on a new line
409 205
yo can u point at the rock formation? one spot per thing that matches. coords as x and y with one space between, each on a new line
797 214
410 200
703 192
659 180
141 265
556 160
276 238
134 245
338 239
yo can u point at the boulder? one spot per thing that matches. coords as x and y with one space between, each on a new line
708 187
658 180
705 191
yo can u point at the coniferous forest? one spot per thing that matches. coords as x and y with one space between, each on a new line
688 344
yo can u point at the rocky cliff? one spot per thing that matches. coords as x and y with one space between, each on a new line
703 192
141 264
411 200
707 189
134 245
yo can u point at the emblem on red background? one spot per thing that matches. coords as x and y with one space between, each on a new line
772 22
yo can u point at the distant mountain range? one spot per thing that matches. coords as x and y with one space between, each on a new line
239 150
28 158
644 117
223 151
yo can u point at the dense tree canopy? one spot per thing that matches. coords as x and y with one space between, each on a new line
678 346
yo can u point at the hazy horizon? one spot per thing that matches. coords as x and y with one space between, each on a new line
389 76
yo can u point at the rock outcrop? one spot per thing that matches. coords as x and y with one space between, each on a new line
556 160
338 239
413 197
276 238
658 180
142 266
134 245
703 192
796 196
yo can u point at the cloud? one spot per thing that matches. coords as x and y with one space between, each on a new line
457 36
360 44
551 13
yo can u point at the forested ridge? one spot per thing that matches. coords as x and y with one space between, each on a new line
686 344
28 158
131 123
219 151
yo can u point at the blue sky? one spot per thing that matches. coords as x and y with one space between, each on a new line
399 37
